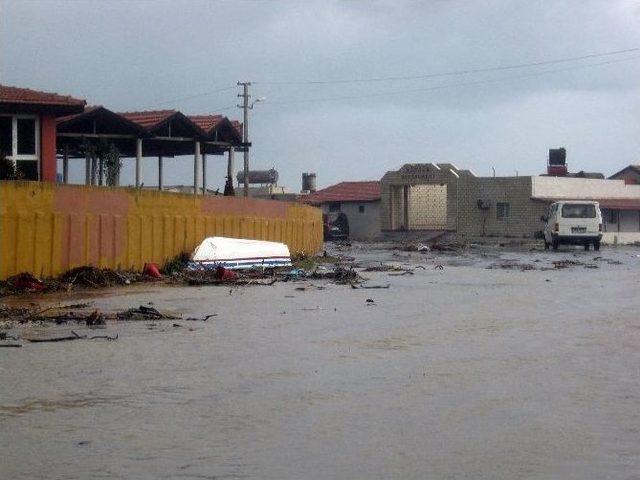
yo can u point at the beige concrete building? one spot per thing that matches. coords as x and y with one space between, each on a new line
442 197
421 196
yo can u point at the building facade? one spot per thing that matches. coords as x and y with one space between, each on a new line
359 201
630 175
28 129
442 197
421 196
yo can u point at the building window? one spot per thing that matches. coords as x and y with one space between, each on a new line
610 216
334 206
503 210
6 136
19 141
361 208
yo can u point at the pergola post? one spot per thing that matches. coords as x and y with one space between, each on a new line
94 167
100 172
65 165
204 173
160 162
87 168
197 167
230 164
138 162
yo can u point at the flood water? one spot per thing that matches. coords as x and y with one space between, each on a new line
464 372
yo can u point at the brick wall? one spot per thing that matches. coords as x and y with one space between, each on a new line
412 175
428 207
524 213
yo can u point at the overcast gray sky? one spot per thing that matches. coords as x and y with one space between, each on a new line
129 55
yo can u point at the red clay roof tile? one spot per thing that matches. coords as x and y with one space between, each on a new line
148 119
206 122
346 192
34 97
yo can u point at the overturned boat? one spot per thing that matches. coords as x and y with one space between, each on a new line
236 253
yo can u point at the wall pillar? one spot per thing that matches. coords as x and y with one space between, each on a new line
48 160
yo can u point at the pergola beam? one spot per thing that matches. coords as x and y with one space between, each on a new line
94 135
128 131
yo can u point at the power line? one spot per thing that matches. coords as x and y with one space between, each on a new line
195 95
452 85
454 72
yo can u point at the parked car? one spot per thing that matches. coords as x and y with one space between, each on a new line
336 226
573 223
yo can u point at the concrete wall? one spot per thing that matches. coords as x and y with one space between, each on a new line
582 188
47 229
524 213
362 226
393 218
415 174
613 238
428 207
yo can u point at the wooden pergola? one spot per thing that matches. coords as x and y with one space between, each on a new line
164 133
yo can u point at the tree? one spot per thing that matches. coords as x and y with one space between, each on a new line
105 162
110 161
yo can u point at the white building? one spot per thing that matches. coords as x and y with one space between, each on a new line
359 201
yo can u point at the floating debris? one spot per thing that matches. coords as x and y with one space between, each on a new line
144 313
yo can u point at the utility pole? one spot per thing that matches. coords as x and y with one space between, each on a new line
245 131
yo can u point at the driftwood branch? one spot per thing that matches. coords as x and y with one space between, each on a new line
75 336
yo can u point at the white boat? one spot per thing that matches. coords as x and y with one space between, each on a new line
236 253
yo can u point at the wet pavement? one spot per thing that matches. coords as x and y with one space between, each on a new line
456 372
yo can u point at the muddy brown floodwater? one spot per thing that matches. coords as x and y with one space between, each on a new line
460 372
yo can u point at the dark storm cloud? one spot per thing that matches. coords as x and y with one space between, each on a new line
132 55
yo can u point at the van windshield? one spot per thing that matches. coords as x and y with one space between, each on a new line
579 210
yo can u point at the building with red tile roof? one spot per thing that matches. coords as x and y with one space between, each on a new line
359 202
35 126
12 98
367 191
28 129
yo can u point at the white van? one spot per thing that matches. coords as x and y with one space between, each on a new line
573 223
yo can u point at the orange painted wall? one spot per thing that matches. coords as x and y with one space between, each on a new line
47 229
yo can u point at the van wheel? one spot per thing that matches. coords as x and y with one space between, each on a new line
596 245
554 243
586 246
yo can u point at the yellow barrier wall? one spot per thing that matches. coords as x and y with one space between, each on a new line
47 229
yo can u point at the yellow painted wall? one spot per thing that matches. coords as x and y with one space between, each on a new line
47 229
